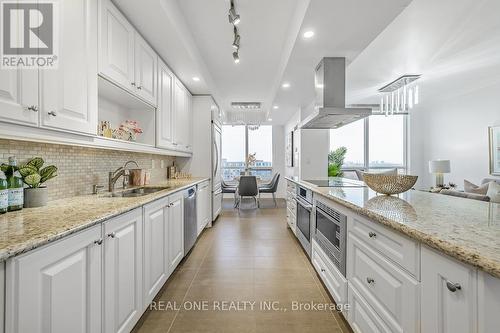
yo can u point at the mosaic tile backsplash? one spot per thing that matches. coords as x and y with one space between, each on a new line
80 167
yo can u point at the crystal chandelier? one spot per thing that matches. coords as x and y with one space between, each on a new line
399 96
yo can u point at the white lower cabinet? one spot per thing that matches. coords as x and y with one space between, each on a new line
203 210
123 304
390 291
175 231
333 279
362 317
449 294
156 261
57 288
488 302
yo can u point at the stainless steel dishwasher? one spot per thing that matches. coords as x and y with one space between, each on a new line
190 221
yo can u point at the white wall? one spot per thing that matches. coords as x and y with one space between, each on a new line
290 126
455 128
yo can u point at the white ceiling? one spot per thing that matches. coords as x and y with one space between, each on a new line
194 37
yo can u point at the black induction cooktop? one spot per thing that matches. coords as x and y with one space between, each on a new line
336 182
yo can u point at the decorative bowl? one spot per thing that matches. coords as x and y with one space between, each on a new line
389 184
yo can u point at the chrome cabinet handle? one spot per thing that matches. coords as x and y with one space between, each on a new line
370 280
453 286
112 234
33 108
371 234
323 270
98 242
139 87
52 113
132 84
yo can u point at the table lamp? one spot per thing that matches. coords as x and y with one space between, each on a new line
439 168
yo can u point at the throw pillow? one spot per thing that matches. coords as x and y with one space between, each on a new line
494 192
473 188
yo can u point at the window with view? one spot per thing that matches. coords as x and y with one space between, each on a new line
239 157
374 142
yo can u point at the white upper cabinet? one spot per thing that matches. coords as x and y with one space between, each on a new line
175 231
116 46
68 94
182 117
19 96
56 288
146 64
449 294
164 111
123 272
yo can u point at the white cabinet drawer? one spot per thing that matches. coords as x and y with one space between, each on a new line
333 279
390 291
362 317
394 246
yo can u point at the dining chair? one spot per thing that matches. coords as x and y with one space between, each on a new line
230 188
271 187
248 188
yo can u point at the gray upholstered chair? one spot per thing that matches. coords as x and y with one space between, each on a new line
271 187
230 188
248 188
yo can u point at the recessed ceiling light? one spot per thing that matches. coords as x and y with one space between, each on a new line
308 34
286 85
196 79
270 119
276 107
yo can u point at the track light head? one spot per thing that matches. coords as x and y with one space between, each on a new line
233 17
236 42
236 57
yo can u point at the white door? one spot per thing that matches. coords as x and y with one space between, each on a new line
164 112
216 158
155 248
146 68
116 46
449 294
56 288
123 304
19 96
175 231
68 94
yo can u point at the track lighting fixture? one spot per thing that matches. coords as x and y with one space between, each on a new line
234 18
236 57
236 42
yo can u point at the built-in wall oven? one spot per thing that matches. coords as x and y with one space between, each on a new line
304 217
330 234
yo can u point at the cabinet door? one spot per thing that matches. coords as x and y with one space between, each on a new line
188 125
164 112
449 294
203 206
123 272
155 248
19 96
175 231
68 94
56 288
182 131
116 46
146 67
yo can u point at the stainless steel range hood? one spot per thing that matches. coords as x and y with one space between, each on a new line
330 110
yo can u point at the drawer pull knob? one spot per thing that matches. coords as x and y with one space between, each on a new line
370 280
453 286
371 234
323 270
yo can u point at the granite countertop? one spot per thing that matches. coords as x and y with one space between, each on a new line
30 228
468 230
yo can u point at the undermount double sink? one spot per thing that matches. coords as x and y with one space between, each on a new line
136 192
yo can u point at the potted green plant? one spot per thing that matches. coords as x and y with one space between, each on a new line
35 195
335 161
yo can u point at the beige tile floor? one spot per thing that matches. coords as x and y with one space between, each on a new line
251 257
